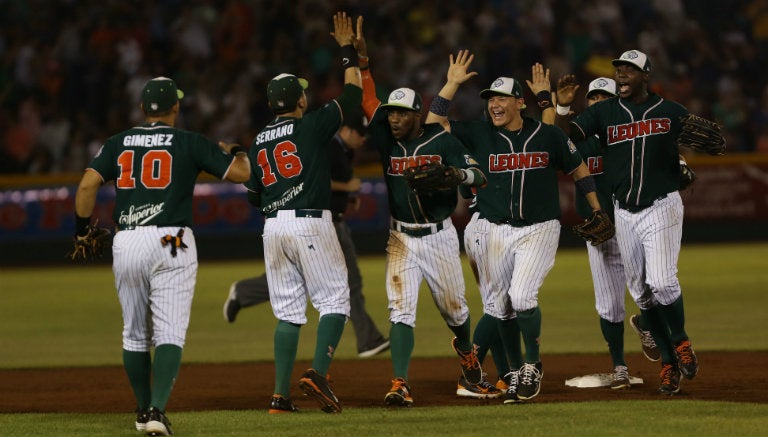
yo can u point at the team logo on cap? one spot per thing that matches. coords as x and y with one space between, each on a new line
601 83
497 83
397 95
631 55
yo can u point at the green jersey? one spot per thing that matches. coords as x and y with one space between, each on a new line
155 167
592 153
521 168
433 145
289 157
640 143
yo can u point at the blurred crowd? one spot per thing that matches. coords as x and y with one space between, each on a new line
71 70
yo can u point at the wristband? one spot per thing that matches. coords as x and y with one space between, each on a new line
235 150
81 225
363 58
563 110
348 56
545 99
439 106
586 185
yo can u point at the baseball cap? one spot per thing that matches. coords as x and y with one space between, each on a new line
284 90
602 85
404 98
159 95
356 121
505 86
635 58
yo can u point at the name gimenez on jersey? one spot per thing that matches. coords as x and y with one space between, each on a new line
503 162
140 215
274 133
641 128
398 164
151 140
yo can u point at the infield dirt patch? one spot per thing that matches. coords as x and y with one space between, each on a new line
723 376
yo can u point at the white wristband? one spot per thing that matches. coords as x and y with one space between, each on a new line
563 110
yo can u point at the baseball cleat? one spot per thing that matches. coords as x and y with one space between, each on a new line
231 306
620 378
484 390
470 365
158 424
686 359
529 380
670 379
511 380
317 387
281 405
381 347
142 417
399 395
650 350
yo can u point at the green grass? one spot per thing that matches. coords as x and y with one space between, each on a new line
643 418
71 317
58 316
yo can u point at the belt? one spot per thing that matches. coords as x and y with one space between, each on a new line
638 208
313 213
515 223
132 227
417 231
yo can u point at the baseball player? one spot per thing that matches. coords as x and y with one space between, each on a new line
291 185
423 244
154 167
638 132
608 276
521 158
253 291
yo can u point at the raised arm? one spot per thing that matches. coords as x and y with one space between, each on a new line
343 32
457 74
542 89
370 100
566 94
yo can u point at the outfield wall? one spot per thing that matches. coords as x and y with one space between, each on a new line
728 202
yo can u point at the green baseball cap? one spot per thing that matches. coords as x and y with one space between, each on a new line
284 91
159 95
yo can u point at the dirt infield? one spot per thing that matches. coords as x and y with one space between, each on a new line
723 376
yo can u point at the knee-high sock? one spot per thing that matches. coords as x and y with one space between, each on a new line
401 347
138 367
165 368
530 327
286 344
329 332
463 335
509 333
674 315
485 335
613 333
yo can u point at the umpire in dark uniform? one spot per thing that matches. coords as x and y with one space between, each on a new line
253 291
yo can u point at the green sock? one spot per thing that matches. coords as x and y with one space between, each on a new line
165 368
613 333
530 326
509 333
138 367
286 344
674 314
463 335
660 332
486 335
329 332
401 348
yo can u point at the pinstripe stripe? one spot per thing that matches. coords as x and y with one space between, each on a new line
608 279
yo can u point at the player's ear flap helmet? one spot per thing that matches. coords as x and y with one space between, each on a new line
159 95
404 98
505 86
284 92
602 85
635 58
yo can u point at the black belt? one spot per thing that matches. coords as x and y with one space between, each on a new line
638 208
313 213
515 223
418 232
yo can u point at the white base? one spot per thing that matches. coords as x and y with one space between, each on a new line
597 380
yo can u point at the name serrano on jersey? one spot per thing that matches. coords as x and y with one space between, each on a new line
152 140
503 162
398 164
274 133
642 128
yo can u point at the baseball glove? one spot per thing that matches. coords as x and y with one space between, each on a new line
701 135
91 245
596 229
687 176
433 176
